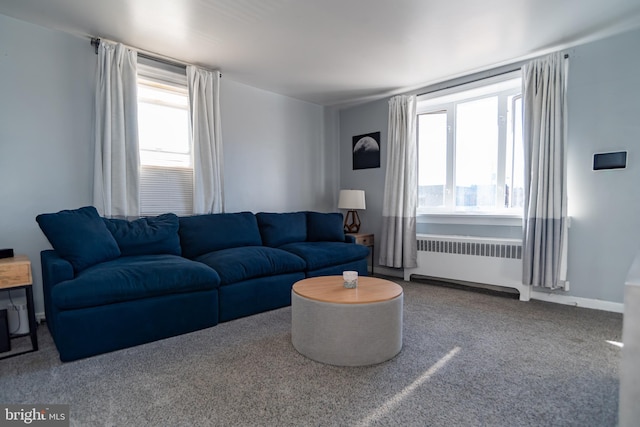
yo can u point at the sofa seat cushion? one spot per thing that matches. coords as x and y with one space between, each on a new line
132 278
323 254
250 262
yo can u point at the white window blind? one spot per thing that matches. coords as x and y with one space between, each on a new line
166 155
166 189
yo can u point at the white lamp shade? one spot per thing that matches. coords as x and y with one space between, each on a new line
351 199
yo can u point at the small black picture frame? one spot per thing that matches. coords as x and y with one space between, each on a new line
366 151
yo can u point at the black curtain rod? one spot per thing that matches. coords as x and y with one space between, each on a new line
566 56
96 43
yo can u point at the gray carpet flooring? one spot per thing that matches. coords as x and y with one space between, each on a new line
468 359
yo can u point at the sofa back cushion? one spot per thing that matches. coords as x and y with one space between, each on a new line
200 234
80 236
278 229
324 227
146 236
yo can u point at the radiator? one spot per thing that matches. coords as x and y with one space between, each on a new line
496 262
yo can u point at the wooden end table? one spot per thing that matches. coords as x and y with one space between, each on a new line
15 273
368 241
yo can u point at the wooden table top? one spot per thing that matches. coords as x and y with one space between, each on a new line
15 271
18 259
331 289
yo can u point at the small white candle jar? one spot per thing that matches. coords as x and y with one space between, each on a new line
350 279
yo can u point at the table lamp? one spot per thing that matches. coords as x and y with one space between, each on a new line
351 200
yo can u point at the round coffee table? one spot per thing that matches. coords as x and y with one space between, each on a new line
346 327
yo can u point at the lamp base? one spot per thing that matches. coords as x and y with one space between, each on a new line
351 222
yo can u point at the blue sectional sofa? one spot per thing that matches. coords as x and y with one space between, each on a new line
109 284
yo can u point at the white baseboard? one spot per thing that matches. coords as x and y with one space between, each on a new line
596 304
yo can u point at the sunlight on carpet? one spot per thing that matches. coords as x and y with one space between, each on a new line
390 404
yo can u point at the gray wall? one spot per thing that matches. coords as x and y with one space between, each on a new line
280 153
604 115
275 157
368 118
46 156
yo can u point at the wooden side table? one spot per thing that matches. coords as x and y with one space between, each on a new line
15 273
368 241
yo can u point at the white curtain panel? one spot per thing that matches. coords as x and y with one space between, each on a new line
117 159
398 243
204 102
545 210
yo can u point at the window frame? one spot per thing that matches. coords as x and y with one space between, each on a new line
506 90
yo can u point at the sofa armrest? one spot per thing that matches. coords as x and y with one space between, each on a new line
349 238
54 269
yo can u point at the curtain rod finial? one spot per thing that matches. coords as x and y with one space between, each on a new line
96 43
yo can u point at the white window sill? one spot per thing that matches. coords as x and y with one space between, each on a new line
510 220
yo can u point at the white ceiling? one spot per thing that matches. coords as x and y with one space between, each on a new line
335 52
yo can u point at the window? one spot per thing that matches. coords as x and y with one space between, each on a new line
470 156
166 165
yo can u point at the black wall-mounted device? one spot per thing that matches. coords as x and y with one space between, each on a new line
615 160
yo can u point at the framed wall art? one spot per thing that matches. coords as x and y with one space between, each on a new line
366 151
